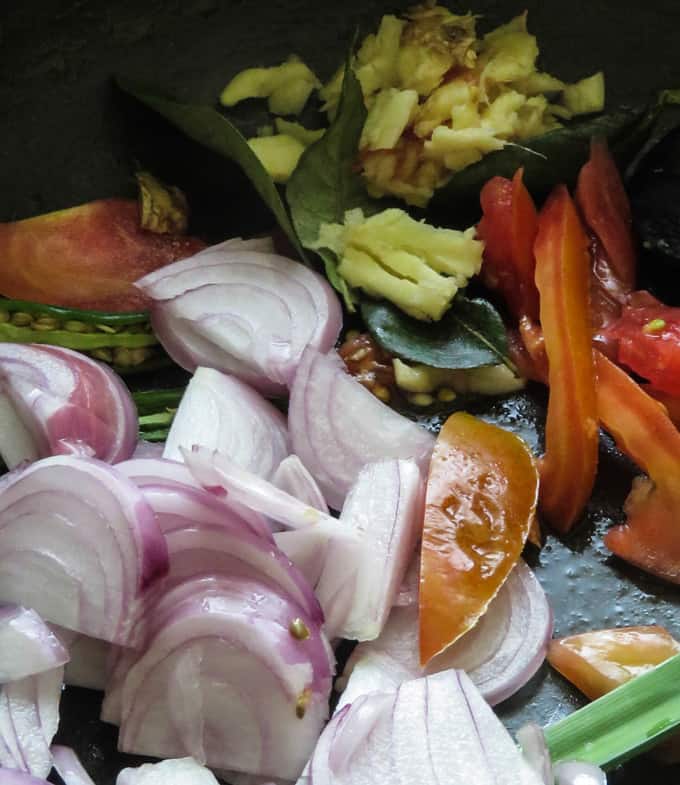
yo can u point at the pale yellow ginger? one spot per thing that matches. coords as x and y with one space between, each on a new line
377 60
279 154
487 380
586 96
507 54
287 86
460 148
414 265
306 136
455 102
388 118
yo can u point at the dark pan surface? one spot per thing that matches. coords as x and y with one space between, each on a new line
66 138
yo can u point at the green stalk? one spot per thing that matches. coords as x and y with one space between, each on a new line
156 409
622 724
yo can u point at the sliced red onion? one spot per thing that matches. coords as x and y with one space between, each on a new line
27 645
233 642
293 477
69 767
577 773
307 547
90 659
337 426
408 591
535 750
436 730
360 580
222 413
54 401
178 771
79 544
14 777
244 312
152 471
29 717
215 470
500 654
146 449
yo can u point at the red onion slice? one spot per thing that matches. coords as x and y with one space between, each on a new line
29 717
406 737
90 659
79 544
215 470
360 580
500 654
293 477
180 771
69 767
14 777
58 402
243 312
27 645
146 449
337 426
222 413
230 642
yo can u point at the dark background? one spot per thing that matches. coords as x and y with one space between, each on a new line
67 137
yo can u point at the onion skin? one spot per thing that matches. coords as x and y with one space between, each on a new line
337 426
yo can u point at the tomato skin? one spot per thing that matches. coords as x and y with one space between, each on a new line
86 257
605 207
599 661
569 465
480 503
647 337
508 229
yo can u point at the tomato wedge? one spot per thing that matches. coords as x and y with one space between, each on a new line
599 661
650 538
86 257
508 229
571 436
481 499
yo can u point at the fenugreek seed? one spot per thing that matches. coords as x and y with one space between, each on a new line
299 630
352 335
21 319
105 355
360 354
105 328
45 324
446 395
302 703
381 392
421 399
654 326
139 355
74 326
121 356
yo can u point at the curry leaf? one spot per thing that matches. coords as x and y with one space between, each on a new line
211 129
554 157
471 334
325 184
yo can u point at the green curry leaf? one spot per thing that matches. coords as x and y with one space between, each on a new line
325 184
471 334
211 129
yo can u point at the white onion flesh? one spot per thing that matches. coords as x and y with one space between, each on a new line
146 449
222 413
29 717
27 645
434 730
89 659
577 773
215 470
360 580
243 312
337 426
178 771
55 401
219 642
500 654
293 477
69 767
79 544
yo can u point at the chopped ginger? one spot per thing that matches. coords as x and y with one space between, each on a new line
279 154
